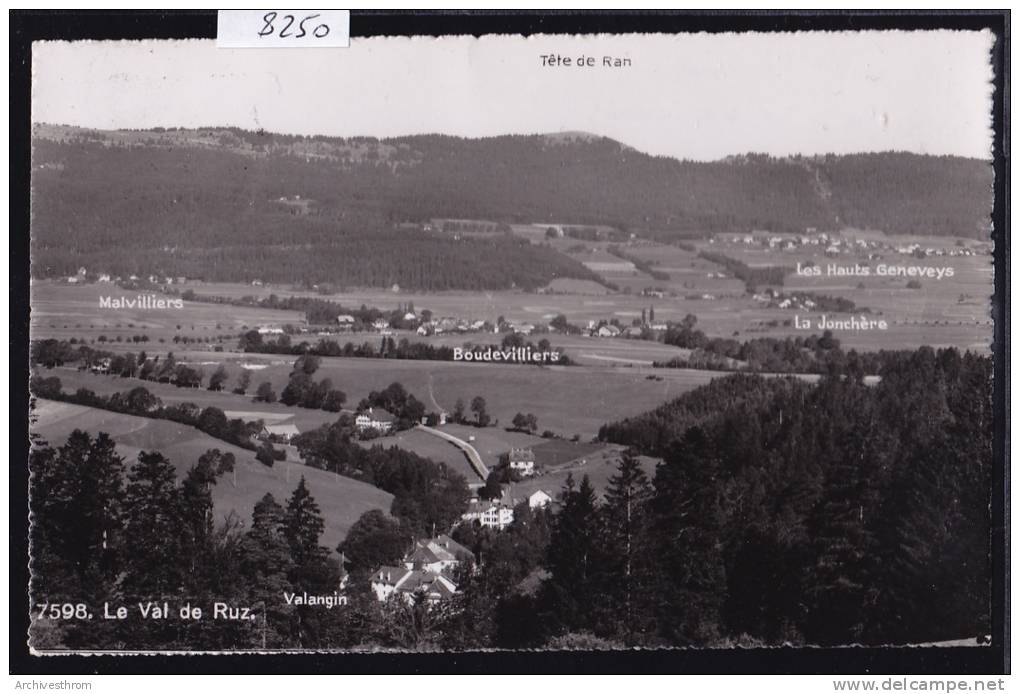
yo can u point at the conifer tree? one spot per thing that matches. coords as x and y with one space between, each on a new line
686 537
304 525
154 524
573 560
624 520
197 504
266 564
76 505
313 569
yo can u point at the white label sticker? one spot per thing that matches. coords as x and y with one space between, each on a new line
283 29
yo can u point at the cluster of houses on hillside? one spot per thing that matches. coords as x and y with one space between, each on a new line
84 276
499 513
836 244
604 328
774 299
447 324
426 571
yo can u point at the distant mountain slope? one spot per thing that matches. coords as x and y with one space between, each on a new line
233 204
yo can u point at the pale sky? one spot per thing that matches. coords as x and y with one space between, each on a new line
694 96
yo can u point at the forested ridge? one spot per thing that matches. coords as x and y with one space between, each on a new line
233 205
835 513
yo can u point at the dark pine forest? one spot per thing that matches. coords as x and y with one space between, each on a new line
232 205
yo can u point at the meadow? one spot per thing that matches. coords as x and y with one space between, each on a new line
234 406
428 446
566 399
64 311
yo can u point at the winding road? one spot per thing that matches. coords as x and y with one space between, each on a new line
469 450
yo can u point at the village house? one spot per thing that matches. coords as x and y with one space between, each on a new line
426 571
345 321
270 330
437 555
608 331
278 433
407 583
101 366
539 500
521 461
375 418
489 514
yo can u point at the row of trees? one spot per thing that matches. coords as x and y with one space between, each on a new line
387 348
140 402
751 276
303 391
642 265
481 416
817 354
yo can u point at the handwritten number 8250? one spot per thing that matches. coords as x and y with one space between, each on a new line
319 31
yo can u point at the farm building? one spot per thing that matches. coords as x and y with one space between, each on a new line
345 320
522 460
539 499
374 418
101 366
279 433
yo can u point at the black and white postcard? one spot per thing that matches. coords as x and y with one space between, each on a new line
560 342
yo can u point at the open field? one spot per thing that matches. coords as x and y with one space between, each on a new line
567 400
235 406
341 499
428 446
592 351
557 452
65 311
